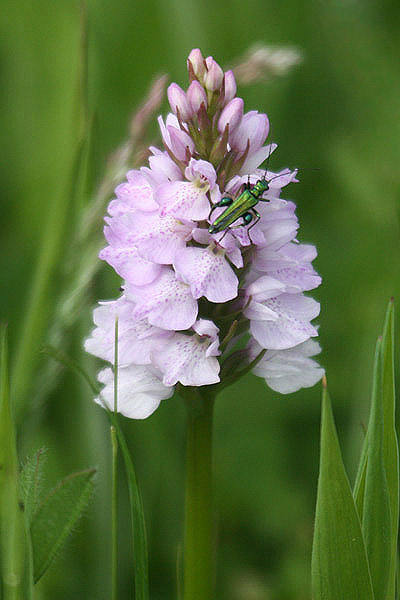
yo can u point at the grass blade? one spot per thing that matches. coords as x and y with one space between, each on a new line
57 515
376 521
114 478
15 550
359 485
137 517
390 445
339 562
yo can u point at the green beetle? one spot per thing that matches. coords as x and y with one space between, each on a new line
241 208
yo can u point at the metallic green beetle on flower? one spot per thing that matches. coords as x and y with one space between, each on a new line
241 207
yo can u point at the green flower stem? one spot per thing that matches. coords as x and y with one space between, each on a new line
198 539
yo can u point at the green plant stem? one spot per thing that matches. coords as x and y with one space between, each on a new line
114 516
114 499
198 539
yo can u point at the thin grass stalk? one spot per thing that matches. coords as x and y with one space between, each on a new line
114 483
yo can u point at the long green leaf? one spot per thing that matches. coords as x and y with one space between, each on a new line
16 571
381 444
57 515
137 518
390 445
376 522
339 561
359 485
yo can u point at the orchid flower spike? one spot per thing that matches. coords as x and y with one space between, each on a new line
214 275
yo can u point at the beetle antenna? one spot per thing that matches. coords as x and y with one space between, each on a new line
296 169
267 165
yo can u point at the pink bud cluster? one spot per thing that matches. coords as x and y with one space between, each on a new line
192 299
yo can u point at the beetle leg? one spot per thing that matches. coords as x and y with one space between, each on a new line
222 236
257 218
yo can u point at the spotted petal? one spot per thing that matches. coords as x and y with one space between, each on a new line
134 194
184 199
208 273
288 325
130 265
136 337
190 359
158 238
166 303
291 265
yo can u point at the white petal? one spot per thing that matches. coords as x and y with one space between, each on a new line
287 371
139 391
257 311
278 233
265 287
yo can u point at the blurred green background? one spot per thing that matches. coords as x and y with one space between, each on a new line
337 116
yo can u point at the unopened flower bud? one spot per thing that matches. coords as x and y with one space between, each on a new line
214 76
253 129
179 102
176 140
230 86
180 143
196 61
231 115
196 96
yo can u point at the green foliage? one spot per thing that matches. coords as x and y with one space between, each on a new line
355 540
140 559
57 516
15 555
31 530
339 561
390 445
65 208
376 505
31 482
140 555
